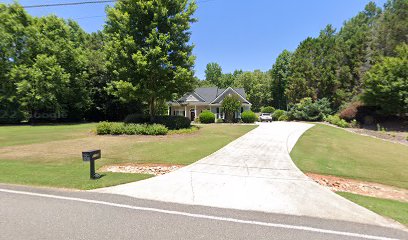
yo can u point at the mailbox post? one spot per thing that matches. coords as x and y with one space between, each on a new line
90 156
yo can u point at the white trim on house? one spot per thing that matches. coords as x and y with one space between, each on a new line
234 92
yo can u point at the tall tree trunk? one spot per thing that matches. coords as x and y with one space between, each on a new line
152 108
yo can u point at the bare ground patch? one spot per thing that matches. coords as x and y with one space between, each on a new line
63 149
154 169
339 184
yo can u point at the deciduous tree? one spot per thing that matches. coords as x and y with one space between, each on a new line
148 51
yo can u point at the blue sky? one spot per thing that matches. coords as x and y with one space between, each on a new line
237 34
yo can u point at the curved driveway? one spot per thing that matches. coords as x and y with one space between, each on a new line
254 172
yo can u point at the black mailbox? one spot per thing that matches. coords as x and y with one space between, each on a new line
90 156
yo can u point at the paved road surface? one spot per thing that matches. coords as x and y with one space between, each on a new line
255 172
31 213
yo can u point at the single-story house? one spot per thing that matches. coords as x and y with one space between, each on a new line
207 98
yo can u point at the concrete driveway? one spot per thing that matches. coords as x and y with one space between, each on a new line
254 172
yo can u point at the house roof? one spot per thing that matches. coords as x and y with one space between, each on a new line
210 94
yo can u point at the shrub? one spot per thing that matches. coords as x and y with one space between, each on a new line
190 130
153 129
248 116
103 128
336 120
119 128
207 117
350 111
310 110
137 118
284 117
278 113
173 122
219 120
267 109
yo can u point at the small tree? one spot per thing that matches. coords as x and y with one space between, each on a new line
230 104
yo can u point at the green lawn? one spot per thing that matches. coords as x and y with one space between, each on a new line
17 135
389 208
51 155
332 151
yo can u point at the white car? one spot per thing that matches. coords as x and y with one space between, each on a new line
265 117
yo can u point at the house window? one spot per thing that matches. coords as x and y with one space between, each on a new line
178 113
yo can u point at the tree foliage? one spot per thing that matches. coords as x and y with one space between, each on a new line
280 73
213 74
148 51
230 104
41 87
386 84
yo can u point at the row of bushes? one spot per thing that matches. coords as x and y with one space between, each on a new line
120 128
350 115
171 122
209 117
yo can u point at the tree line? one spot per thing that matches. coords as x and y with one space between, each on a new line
50 68
366 60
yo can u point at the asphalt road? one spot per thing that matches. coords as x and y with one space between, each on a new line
40 213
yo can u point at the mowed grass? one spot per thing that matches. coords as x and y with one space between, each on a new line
51 155
18 135
389 208
331 151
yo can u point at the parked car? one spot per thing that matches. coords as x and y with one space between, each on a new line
265 117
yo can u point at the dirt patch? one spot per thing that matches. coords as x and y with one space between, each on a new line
153 169
338 184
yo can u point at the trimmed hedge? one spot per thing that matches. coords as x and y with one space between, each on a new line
119 128
207 117
171 122
248 116
136 118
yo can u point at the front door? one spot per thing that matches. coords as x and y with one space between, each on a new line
192 114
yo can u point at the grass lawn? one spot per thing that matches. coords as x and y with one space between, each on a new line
389 208
332 151
51 155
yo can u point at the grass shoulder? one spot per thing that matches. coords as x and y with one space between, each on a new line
332 151
385 207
